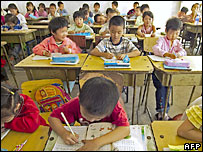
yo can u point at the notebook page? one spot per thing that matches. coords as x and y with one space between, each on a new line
61 146
156 58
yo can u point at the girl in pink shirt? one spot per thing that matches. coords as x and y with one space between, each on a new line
58 42
42 11
31 10
167 46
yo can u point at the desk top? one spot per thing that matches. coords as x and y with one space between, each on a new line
142 38
169 130
96 26
193 24
139 64
18 32
195 64
132 26
29 63
124 35
38 26
3 43
36 140
44 22
39 18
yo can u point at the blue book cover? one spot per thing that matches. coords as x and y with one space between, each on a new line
177 68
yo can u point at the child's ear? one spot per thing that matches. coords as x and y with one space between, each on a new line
53 33
165 30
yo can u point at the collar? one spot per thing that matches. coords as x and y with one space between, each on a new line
118 42
53 41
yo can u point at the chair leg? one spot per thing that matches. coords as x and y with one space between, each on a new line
171 96
127 94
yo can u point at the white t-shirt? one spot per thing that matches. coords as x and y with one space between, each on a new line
21 18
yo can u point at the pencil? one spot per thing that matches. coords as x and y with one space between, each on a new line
62 114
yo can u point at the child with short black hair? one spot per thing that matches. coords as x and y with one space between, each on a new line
96 9
115 7
100 19
31 10
116 45
42 10
182 13
131 12
18 111
52 11
139 20
167 46
61 10
58 42
87 20
86 6
79 26
147 27
97 102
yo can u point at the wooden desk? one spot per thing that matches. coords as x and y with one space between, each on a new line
36 140
180 77
30 21
8 61
41 22
132 77
130 21
96 28
42 69
42 30
21 37
169 131
131 29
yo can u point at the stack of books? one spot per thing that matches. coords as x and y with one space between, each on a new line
180 64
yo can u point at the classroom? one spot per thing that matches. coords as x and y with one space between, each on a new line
101 75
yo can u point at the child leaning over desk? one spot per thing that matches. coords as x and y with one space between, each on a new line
116 45
58 42
97 102
167 46
18 111
31 10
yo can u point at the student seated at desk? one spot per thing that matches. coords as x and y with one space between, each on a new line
182 13
116 45
86 6
96 9
131 12
52 11
147 27
139 20
97 102
99 19
31 10
18 111
87 20
42 10
79 26
167 46
105 28
115 7
61 10
58 42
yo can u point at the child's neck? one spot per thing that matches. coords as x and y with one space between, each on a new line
147 26
79 26
57 40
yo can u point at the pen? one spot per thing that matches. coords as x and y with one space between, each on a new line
67 123
143 137
19 147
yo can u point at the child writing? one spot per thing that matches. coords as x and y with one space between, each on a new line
31 10
97 102
88 20
139 20
147 27
18 111
53 13
131 12
105 28
42 10
167 46
61 10
58 42
116 45
115 7
96 9
79 26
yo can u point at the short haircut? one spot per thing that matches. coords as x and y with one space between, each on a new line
117 21
99 96
115 3
136 3
138 8
95 17
42 5
11 18
194 5
96 4
30 3
86 6
13 6
78 14
110 10
148 13
59 3
184 9
52 4
85 12
9 99
173 24
143 7
57 23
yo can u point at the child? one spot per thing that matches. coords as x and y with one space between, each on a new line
167 46
105 28
14 10
131 12
100 19
18 111
116 45
42 10
182 14
97 102
79 26
52 11
58 43
2 17
96 9
86 6
115 6
147 27
88 20
31 10
139 20
61 10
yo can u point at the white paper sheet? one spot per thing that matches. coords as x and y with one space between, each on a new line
156 58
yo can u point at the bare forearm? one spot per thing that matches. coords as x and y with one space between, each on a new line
194 135
95 52
133 53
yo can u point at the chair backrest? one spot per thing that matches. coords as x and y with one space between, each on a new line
98 39
149 42
80 40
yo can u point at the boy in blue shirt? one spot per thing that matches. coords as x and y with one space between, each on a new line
88 20
61 10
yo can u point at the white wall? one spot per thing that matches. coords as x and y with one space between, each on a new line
162 10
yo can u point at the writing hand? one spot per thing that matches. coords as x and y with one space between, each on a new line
108 55
121 56
46 53
89 145
170 55
69 138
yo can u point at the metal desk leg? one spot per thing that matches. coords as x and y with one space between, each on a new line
21 43
193 90
167 95
148 83
145 86
133 104
9 65
192 49
29 74
67 81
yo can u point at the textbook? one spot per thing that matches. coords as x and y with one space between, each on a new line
134 141
70 59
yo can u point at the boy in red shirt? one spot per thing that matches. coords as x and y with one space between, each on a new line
18 111
97 102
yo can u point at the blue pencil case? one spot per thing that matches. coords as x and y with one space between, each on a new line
65 59
84 34
32 16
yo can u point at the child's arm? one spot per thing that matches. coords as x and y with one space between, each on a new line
42 49
187 130
96 52
115 135
27 15
88 29
139 31
154 30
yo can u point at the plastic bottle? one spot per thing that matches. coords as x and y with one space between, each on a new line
197 20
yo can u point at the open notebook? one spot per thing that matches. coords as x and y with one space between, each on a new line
135 143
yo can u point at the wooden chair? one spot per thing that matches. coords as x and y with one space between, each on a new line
79 40
149 42
98 39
